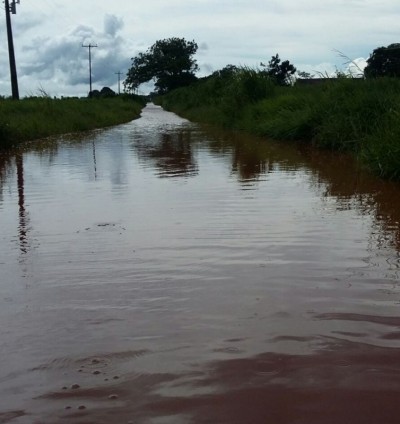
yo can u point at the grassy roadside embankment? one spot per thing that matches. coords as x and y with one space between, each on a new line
37 117
357 116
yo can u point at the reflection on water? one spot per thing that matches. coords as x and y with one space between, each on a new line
171 154
23 215
94 160
161 272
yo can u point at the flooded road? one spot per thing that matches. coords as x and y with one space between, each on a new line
158 272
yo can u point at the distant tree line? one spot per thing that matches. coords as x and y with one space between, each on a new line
170 64
104 92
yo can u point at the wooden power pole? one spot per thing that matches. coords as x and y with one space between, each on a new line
119 81
90 46
13 69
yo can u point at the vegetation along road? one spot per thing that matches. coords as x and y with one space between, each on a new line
350 113
37 117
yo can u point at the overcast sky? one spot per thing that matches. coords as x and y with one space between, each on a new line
48 36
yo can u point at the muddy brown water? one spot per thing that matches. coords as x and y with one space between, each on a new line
158 272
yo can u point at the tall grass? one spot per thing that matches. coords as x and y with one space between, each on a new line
39 117
221 98
358 116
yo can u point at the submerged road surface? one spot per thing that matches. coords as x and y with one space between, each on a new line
158 272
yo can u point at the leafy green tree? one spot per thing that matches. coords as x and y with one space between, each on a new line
227 72
168 62
384 62
304 75
280 72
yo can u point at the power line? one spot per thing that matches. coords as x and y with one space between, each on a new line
90 46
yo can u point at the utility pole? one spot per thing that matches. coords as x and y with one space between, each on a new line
13 69
90 46
119 81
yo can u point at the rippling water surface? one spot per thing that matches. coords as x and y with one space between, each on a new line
158 272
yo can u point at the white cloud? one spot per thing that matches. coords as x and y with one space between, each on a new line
48 35
356 66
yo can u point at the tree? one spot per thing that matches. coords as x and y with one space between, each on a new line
304 75
168 62
280 72
107 92
104 92
384 62
227 72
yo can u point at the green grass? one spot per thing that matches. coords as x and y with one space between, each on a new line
34 118
357 116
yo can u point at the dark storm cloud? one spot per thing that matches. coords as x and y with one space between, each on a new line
112 24
46 57
64 59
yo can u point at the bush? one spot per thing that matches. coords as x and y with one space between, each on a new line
358 116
